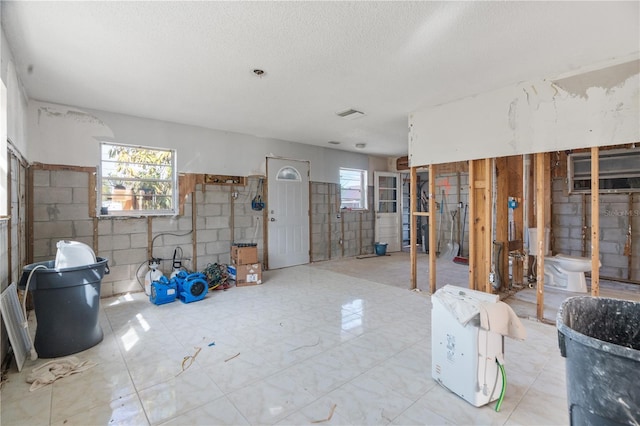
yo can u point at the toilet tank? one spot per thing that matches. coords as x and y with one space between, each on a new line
533 241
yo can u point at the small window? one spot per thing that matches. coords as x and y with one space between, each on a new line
288 173
353 189
136 180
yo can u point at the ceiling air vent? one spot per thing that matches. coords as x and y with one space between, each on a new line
350 114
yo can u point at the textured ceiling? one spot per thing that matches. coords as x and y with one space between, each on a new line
192 62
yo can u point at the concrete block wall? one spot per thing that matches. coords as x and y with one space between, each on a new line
61 211
337 233
568 229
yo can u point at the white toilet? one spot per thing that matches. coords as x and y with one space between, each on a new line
561 271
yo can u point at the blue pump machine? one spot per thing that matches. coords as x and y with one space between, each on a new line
163 291
191 287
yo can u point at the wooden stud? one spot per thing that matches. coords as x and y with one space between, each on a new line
472 223
232 216
10 220
502 218
432 228
93 202
487 234
149 237
96 248
329 218
584 225
30 208
628 243
595 221
540 224
194 233
413 232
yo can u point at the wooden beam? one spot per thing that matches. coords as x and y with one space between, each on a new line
413 232
30 208
595 221
502 219
194 231
432 229
424 214
540 222
487 234
472 221
57 167
149 237
93 202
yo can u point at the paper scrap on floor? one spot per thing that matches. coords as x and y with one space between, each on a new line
56 369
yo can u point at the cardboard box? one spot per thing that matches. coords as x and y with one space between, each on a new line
248 274
244 255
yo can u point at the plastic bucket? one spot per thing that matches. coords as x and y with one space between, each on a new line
67 304
600 339
381 249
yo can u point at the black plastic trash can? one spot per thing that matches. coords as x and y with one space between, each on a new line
67 304
600 339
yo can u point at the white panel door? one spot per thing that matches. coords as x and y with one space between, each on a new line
288 208
388 209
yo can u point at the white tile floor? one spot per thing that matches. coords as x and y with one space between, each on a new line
305 341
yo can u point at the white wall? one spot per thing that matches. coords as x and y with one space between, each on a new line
595 108
67 135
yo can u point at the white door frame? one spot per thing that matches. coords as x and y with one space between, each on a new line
388 225
287 221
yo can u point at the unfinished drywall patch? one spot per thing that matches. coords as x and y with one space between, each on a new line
64 135
606 78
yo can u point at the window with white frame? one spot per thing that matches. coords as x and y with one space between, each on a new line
353 189
136 180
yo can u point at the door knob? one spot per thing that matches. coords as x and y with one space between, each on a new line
273 219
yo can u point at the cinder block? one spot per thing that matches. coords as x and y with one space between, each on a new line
130 226
80 196
185 223
83 228
114 242
225 234
41 178
105 226
216 222
243 222
126 286
119 273
106 290
165 224
139 240
69 179
50 195
614 260
60 229
72 211
212 210
42 248
129 256
217 247
213 196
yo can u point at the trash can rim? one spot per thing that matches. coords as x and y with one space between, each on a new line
99 262
602 345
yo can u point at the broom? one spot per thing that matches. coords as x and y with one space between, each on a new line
459 259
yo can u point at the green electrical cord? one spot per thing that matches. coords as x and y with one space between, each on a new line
504 386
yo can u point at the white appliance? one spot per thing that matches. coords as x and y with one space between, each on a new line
72 254
464 356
